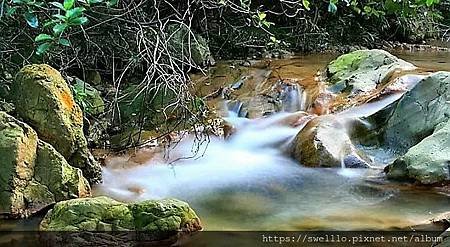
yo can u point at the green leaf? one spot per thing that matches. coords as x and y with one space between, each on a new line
95 1
431 2
31 19
75 12
79 21
332 8
261 15
112 3
68 4
59 28
58 5
58 16
306 4
11 11
49 23
64 42
43 37
43 48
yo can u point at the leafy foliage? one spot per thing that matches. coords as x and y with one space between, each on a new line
58 19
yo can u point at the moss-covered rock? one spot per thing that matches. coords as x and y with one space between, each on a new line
427 162
60 178
43 99
18 143
34 175
324 143
159 219
363 70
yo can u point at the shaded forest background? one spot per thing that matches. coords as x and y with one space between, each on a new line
138 53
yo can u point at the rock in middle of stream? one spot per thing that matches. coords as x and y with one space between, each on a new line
324 142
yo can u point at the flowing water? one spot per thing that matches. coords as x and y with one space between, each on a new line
248 182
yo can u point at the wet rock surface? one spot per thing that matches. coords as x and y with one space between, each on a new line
428 162
44 100
416 114
34 175
323 142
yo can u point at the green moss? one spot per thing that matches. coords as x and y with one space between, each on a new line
160 219
363 70
37 196
344 64
63 180
32 173
18 152
43 99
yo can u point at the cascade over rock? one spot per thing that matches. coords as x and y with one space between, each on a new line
324 143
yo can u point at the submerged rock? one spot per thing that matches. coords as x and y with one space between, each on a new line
43 99
324 142
427 162
157 219
34 175
363 70
415 115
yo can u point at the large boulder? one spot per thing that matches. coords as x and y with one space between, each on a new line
323 142
158 219
416 114
363 70
43 99
427 162
34 175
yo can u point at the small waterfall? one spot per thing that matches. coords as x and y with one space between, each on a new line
293 97
250 155
235 108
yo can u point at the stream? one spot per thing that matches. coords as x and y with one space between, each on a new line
249 182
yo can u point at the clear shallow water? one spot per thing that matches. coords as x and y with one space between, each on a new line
249 183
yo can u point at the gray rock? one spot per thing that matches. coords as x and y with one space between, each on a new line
428 162
416 114
363 70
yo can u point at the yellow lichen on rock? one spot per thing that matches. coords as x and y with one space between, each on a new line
44 100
